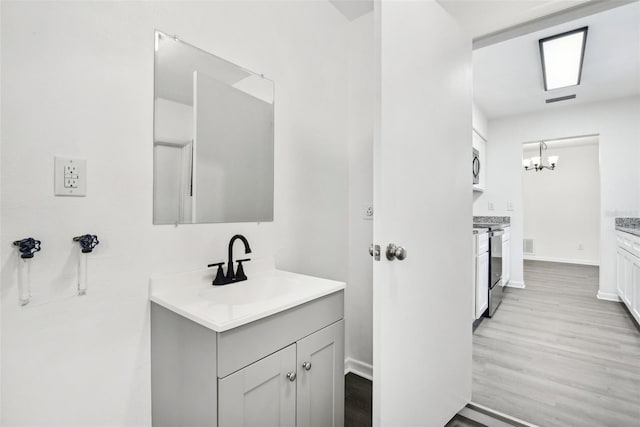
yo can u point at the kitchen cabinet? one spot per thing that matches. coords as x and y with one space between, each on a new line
620 271
481 274
482 284
628 272
300 385
634 291
506 256
624 263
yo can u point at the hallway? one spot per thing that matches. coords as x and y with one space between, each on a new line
554 355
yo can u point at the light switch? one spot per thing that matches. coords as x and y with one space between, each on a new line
70 177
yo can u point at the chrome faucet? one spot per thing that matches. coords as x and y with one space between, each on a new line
232 276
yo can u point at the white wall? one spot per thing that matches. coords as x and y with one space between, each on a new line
359 292
479 121
561 208
1 246
618 127
77 80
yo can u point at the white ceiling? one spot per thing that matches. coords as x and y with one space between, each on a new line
353 9
507 76
479 17
483 17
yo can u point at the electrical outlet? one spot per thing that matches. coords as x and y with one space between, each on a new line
70 170
70 177
490 206
509 206
580 247
367 212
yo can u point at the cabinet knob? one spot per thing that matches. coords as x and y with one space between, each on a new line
306 366
291 376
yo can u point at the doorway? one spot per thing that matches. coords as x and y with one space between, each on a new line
561 201
554 354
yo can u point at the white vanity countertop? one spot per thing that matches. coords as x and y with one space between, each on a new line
221 308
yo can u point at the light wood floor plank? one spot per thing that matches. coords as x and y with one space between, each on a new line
555 355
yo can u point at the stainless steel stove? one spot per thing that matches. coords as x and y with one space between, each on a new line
495 265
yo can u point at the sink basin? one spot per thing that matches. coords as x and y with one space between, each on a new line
256 290
221 308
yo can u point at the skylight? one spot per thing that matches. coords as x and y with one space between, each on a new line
561 57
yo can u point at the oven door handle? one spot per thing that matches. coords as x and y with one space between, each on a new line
476 167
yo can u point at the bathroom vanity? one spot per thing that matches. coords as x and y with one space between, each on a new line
268 351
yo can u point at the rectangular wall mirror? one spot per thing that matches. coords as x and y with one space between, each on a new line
212 138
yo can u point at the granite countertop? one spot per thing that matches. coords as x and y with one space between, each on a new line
501 220
631 230
491 221
628 225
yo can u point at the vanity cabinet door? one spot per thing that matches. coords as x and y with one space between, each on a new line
321 378
262 394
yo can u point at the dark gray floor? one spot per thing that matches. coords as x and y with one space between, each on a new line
555 355
357 401
357 405
460 421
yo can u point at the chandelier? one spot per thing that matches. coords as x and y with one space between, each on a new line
537 163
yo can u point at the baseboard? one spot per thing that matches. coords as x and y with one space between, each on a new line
608 296
515 284
561 260
359 368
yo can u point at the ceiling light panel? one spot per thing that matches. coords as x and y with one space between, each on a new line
562 57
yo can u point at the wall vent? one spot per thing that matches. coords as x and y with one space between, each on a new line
527 246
